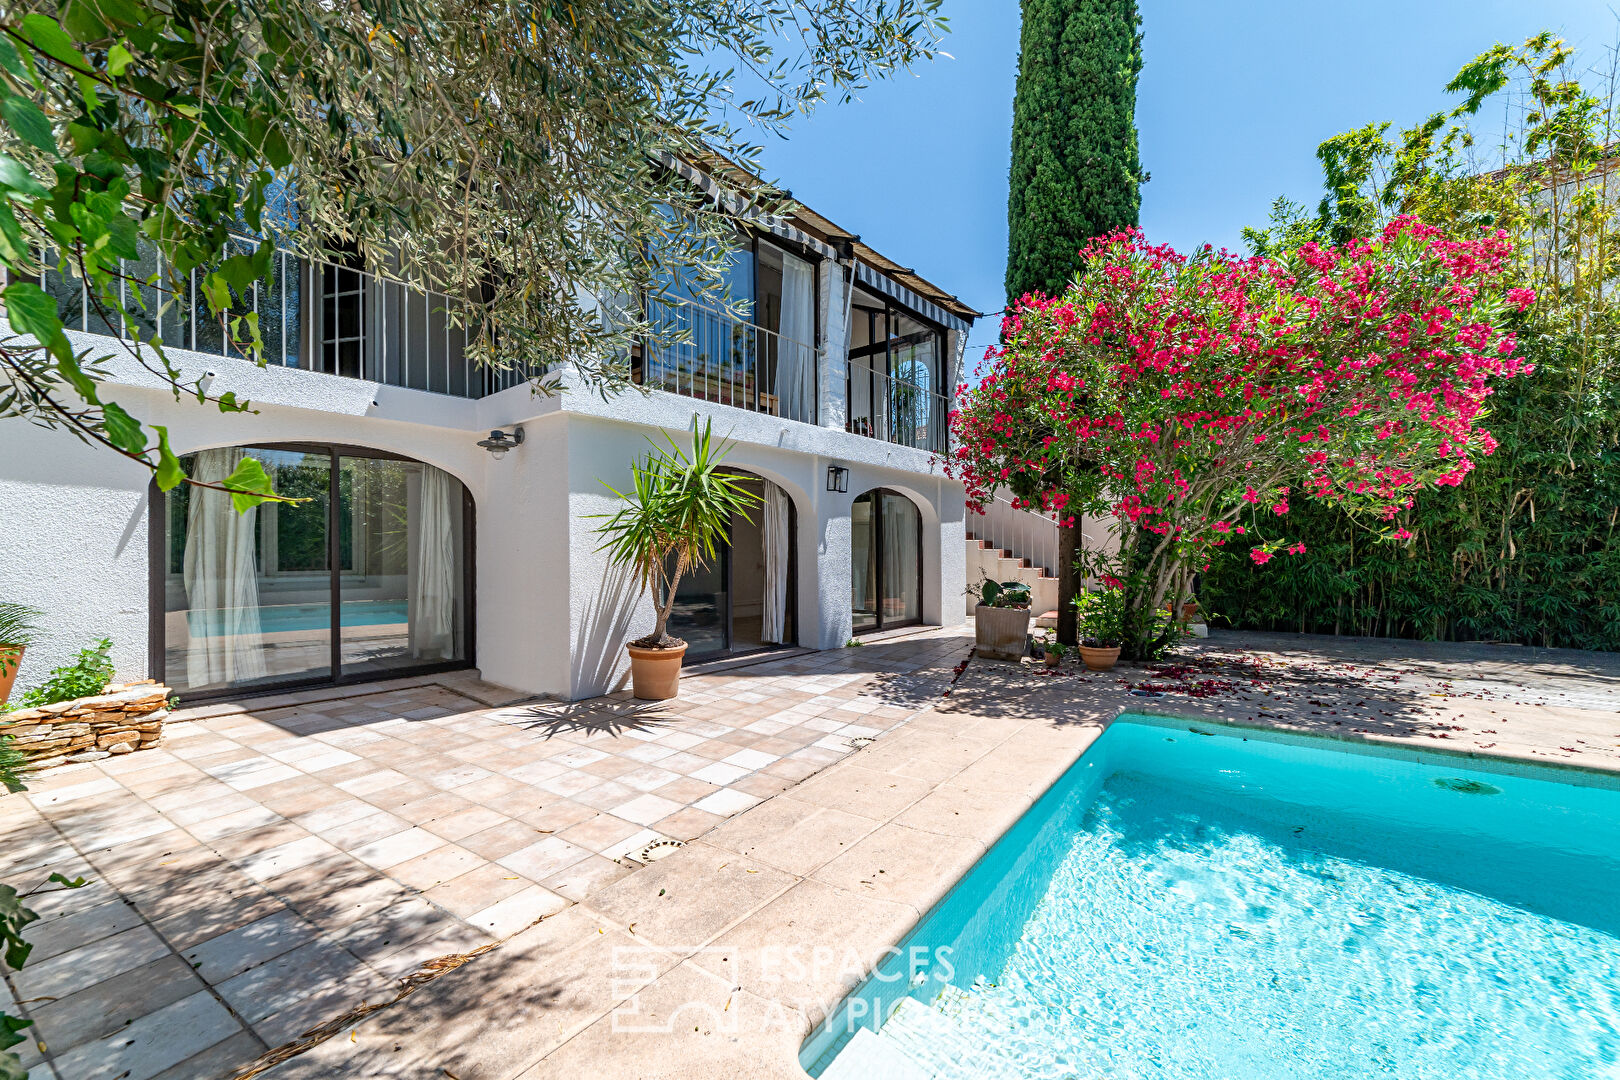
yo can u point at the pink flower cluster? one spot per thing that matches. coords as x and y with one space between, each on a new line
1182 394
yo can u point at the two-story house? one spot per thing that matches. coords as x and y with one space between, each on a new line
424 543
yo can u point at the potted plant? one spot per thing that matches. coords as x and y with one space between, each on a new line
679 512
1054 652
1001 619
17 626
1101 619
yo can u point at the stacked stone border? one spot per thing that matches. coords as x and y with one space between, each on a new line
122 719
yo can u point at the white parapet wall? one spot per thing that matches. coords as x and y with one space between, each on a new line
550 615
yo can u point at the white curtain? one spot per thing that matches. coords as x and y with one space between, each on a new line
433 588
774 533
222 585
901 600
796 364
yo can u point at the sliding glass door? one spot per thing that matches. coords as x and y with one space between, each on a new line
367 572
742 600
886 567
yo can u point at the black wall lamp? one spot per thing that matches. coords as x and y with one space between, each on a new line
499 442
837 478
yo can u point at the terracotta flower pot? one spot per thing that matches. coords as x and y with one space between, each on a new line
1099 659
1189 611
655 674
1001 633
1053 659
10 660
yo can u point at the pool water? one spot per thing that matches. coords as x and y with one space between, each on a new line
279 618
1194 904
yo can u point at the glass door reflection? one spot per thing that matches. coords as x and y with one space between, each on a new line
248 595
886 561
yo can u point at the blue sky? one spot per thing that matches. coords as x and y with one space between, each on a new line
1233 100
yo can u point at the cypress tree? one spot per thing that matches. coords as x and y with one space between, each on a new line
1076 169
1075 162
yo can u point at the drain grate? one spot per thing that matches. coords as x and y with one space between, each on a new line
657 850
1465 786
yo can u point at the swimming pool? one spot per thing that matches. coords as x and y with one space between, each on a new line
278 618
1209 903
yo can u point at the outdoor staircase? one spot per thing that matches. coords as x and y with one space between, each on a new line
985 559
922 1042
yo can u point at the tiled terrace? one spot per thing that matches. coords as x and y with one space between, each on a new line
271 868
276 863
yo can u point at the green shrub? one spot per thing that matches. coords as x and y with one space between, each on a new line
87 676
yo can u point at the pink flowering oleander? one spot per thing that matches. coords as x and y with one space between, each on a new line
1181 394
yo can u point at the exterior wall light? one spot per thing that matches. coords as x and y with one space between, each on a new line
499 442
837 478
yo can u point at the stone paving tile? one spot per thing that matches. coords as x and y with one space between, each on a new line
221 1059
477 889
57 936
305 850
152 1043
108 1006
83 967
506 917
230 954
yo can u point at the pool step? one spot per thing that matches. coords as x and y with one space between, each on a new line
868 1056
941 1049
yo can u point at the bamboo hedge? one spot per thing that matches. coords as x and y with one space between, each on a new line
1525 549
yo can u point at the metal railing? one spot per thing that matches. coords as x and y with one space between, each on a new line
895 410
320 316
1026 534
702 352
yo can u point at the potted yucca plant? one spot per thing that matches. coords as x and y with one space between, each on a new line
17 626
678 513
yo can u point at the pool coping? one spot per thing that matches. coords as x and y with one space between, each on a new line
854 858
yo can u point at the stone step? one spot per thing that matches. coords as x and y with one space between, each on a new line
940 1048
868 1056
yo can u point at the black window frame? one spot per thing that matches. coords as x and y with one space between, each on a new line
880 547
158 569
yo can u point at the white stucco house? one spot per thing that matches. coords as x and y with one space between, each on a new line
420 549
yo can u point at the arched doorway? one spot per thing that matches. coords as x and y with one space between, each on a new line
886 547
744 600
369 574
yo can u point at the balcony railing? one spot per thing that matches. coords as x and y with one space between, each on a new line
896 410
342 320
702 352
320 316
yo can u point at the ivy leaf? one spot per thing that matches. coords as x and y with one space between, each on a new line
47 34
123 429
68 365
16 177
11 62
13 248
32 310
118 58
29 123
168 473
275 148
216 292
249 484
9 1026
